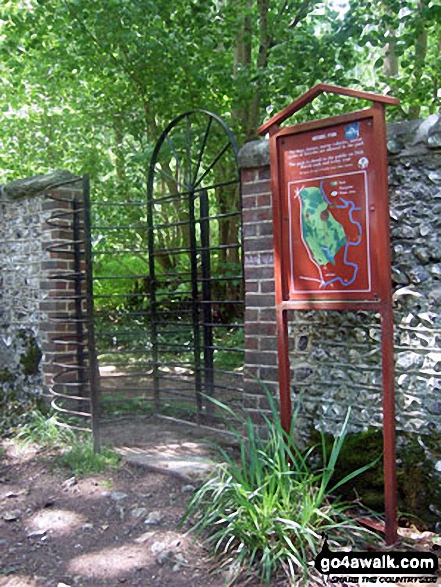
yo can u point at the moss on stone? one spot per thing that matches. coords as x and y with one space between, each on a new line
5 376
360 449
418 487
30 360
419 492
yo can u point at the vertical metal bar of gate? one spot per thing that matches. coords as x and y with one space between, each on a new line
153 303
183 318
207 306
93 361
195 304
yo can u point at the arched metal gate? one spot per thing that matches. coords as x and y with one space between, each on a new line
168 280
196 290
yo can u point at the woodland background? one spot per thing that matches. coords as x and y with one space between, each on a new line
89 86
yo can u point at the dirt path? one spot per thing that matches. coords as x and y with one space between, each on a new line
117 528
103 530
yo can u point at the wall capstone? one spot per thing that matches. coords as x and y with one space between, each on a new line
33 186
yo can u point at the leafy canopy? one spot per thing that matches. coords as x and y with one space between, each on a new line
89 85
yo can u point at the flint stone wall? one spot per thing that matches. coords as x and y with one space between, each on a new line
21 255
335 356
26 290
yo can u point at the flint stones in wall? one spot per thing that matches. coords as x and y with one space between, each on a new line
7 353
340 366
23 249
414 136
434 135
434 408
409 361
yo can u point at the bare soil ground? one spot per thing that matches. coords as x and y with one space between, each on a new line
117 528
92 531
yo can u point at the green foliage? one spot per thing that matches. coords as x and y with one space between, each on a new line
44 430
119 405
124 70
30 360
82 459
402 39
75 448
116 277
266 511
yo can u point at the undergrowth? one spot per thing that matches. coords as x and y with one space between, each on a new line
82 459
74 449
43 430
265 512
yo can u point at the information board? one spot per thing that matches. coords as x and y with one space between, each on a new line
330 207
331 237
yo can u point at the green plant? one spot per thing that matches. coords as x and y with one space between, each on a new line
82 459
119 405
76 448
265 512
44 430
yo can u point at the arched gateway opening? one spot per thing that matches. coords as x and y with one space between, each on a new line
167 274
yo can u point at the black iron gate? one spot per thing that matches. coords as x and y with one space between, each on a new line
168 280
196 285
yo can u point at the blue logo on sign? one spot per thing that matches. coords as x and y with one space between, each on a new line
352 130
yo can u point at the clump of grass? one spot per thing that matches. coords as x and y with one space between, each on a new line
82 459
75 447
44 431
265 512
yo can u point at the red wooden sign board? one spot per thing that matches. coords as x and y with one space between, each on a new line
331 235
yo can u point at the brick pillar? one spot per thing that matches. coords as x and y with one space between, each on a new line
42 286
63 327
260 321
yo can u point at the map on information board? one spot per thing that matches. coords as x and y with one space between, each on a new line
332 226
328 203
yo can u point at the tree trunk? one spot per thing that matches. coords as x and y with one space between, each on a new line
420 59
242 58
391 65
262 62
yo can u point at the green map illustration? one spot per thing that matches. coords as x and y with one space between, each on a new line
323 235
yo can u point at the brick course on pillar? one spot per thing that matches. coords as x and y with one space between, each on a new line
59 327
260 370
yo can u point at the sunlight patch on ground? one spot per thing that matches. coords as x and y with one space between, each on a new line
111 562
190 464
115 561
20 581
55 521
16 450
